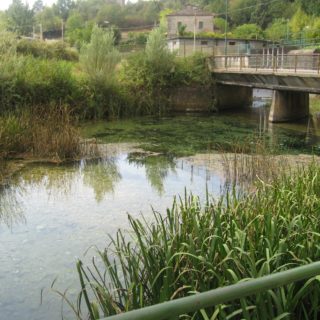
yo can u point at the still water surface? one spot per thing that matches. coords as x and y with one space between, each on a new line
50 215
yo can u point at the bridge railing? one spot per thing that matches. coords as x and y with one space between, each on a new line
292 63
171 310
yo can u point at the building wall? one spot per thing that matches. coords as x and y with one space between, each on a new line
188 21
185 46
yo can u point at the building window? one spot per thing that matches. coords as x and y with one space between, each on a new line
200 24
204 43
232 43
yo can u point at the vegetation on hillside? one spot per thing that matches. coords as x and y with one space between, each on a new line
280 19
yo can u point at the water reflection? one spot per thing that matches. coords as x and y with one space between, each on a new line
157 168
102 176
11 212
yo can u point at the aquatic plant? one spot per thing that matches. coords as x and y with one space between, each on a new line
195 247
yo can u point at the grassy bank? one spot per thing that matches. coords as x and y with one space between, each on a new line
195 247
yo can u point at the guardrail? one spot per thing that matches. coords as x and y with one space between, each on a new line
173 309
292 63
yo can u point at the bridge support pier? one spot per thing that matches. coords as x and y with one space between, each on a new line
230 96
289 105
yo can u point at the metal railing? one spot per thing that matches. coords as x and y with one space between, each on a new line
290 63
173 309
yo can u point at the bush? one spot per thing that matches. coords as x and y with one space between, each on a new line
147 75
39 49
31 81
191 70
99 58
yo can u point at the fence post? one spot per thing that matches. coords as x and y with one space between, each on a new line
318 63
295 63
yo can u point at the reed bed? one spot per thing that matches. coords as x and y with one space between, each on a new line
250 161
195 247
46 132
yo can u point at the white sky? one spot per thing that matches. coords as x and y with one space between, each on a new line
4 4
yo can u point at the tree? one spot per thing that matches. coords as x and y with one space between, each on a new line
248 31
220 24
298 22
110 13
49 20
20 18
78 30
38 6
64 7
311 7
277 30
99 58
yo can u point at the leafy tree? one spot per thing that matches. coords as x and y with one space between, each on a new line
279 29
38 6
248 31
49 20
220 24
20 18
99 58
298 22
148 73
311 7
112 13
163 18
237 14
64 7
78 30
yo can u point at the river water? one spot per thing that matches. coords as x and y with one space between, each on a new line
52 215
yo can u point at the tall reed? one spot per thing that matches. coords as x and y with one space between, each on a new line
196 247
42 132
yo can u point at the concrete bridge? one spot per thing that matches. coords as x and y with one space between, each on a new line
292 77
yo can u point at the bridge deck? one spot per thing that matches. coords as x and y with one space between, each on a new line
284 72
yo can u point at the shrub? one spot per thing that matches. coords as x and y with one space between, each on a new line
191 70
99 58
147 75
54 50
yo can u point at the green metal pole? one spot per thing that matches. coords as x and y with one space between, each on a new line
172 309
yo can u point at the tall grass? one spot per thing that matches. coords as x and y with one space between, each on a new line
40 131
196 247
250 160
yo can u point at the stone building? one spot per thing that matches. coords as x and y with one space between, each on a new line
194 20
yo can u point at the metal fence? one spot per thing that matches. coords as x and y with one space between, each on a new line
292 63
171 310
